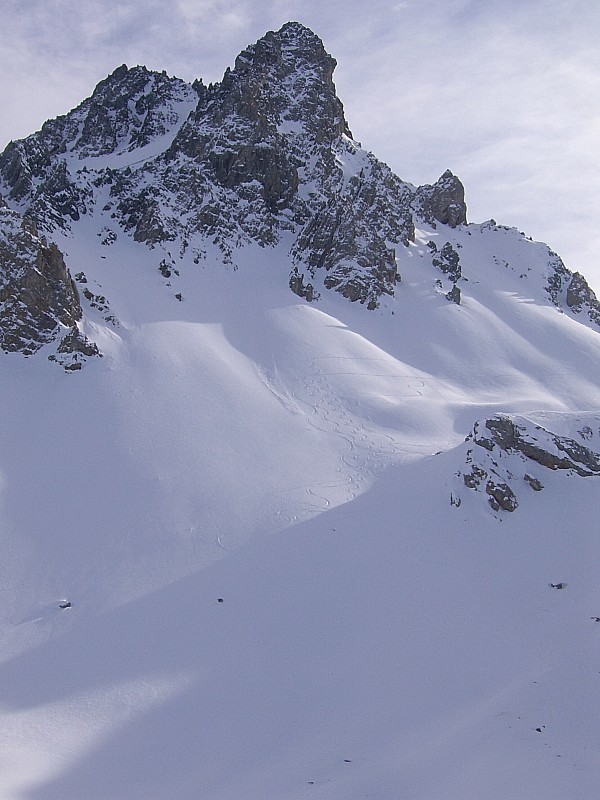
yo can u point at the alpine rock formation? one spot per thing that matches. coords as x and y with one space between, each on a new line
222 318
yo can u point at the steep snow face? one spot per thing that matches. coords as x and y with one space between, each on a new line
408 629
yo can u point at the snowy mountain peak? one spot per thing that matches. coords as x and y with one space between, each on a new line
292 70
279 91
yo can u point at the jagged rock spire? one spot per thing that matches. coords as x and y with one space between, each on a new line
282 84
443 201
295 60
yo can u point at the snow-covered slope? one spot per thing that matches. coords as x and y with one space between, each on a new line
257 505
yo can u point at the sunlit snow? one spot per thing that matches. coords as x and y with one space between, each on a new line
296 462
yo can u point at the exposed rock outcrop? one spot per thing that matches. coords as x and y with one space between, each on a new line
444 201
300 288
555 452
74 349
581 297
454 295
447 260
37 294
571 290
507 451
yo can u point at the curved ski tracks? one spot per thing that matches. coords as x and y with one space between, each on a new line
365 449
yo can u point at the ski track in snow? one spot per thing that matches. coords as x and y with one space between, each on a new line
367 451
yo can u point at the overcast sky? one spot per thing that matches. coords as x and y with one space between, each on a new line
505 93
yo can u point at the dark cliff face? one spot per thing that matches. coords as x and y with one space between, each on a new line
281 84
37 295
